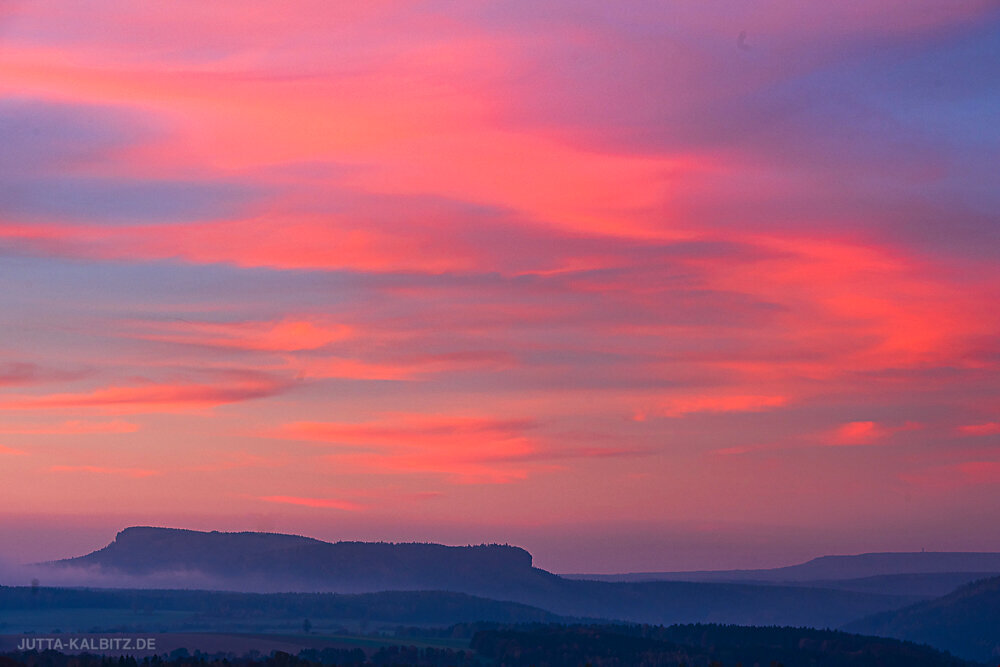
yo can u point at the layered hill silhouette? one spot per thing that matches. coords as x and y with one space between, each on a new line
965 622
265 562
918 574
834 568
39 609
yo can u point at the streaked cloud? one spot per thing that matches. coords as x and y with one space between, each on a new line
287 335
231 387
137 473
988 428
678 407
319 503
866 433
468 449
576 262
73 427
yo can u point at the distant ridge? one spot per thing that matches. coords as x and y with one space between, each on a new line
144 556
832 568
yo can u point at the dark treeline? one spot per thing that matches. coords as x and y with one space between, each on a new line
389 656
551 645
698 646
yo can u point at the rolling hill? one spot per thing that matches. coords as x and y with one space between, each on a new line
965 622
30 609
833 568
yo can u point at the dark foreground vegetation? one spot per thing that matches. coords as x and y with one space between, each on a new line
551 645
699 646
393 656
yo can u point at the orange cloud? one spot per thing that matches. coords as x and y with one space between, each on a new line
322 503
8 451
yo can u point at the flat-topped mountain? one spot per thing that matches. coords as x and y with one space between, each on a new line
272 561
261 562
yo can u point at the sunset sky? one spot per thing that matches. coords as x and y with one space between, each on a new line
634 285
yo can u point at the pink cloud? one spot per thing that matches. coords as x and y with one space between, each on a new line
685 405
571 215
74 427
866 433
858 433
953 476
989 428
743 449
156 397
289 334
103 470
468 449
320 503
237 460
981 472
405 368
22 373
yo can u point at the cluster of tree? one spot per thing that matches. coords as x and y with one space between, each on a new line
698 646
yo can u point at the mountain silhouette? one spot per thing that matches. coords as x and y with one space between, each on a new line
264 562
276 562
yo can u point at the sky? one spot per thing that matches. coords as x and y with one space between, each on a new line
634 285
